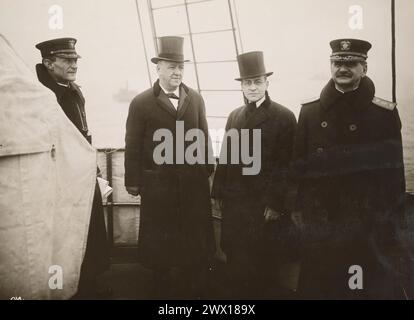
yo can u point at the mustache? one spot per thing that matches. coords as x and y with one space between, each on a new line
344 74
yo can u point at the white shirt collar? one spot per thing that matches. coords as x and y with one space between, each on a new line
176 92
259 102
63 85
174 102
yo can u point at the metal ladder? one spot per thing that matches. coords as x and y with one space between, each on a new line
191 35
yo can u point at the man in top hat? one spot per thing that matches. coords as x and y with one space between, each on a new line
349 161
254 217
58 73
176 236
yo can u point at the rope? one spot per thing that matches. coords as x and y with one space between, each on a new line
233 28
190 33
143 43
153 29
238 25
394 77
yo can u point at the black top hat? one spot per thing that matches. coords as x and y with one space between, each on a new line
62 47
349 50
251 65
170 49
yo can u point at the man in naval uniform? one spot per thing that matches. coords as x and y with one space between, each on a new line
58 73
255 220
349 163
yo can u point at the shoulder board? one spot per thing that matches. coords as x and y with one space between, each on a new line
306 101
384 103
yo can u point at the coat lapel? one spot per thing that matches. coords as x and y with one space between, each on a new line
258 117
162 100
183 103
240 119
166 104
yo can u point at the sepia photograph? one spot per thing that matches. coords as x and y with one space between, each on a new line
206 150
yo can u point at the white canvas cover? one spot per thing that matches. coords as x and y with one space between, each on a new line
47 179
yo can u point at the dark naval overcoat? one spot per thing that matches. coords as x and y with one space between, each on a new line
349 161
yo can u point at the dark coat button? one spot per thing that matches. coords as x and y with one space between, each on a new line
324 124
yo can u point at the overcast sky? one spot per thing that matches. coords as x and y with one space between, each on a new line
294 36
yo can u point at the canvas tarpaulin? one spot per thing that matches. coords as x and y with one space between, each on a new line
47 180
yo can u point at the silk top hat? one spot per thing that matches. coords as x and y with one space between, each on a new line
62 47
251 65
349 50
170 49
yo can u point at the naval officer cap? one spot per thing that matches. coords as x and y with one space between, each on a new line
349 50
62 47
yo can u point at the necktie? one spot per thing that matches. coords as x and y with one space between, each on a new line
172 96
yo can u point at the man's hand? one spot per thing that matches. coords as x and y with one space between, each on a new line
271 215
134 191
217 204
297 219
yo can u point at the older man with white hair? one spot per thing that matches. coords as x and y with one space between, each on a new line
176 232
